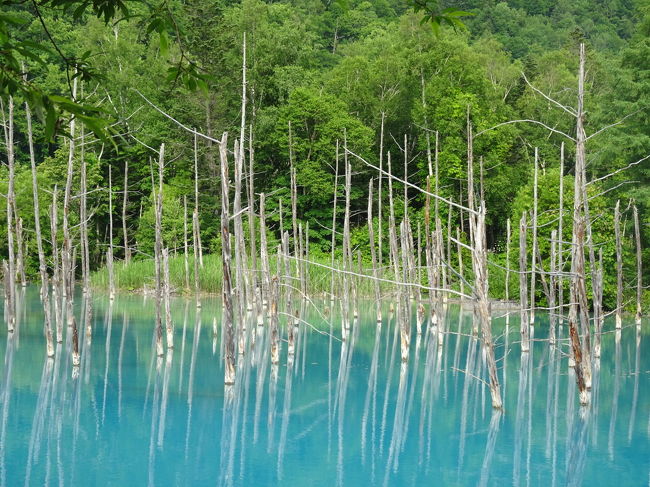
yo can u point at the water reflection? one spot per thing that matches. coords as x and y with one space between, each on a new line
332 413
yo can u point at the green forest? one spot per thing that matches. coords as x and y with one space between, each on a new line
320 74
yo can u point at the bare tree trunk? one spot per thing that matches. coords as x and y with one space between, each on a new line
392 230
560 255
373 255
158 253
185 246
523 284
347 250
198 248
42 263
125 202
598 299
254 281
639 264
273 319
579 308
553 277
379 192
481 289
169 325
534 249
20 254
404 305
333 236
56 270
67 263
83 217
507 281
241 265
10 288
111 276
461 271
619 265
264 251
229 373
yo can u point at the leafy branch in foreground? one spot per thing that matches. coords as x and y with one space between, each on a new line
50 107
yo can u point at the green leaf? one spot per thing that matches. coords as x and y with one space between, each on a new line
164 44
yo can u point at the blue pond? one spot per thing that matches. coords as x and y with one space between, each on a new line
340 413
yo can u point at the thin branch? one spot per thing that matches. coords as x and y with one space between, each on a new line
526 121
569 110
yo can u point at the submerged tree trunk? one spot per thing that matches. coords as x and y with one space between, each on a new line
158 253
523 282
482 297
229 372
639 265
10 288
42 263
125 201
534 249
619 265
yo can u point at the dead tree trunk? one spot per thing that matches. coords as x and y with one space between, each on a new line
534 249
111 275
373 255
185 246
347 250
560 241
56 269
333 237
10 288
273 319
523 284
264 252
158 252
198 248
20 253
639 263
507 281
169 325
619 265
553 278
479 261
125 202
229 373
42 263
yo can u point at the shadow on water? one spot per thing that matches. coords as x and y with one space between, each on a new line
331 412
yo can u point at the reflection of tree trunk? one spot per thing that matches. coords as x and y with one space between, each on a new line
519 416
190 380
40 416
125 324
6 400
262 346
399 417
469 370
286 415
577 450
155 409
615 394
493 433
370 393
107 359
635 394
165 396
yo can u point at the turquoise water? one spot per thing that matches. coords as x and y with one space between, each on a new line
340 414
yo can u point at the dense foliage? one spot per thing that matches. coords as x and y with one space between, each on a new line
335 68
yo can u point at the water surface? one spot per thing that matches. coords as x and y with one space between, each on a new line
339 413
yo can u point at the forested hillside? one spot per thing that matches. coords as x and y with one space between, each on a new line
318 72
